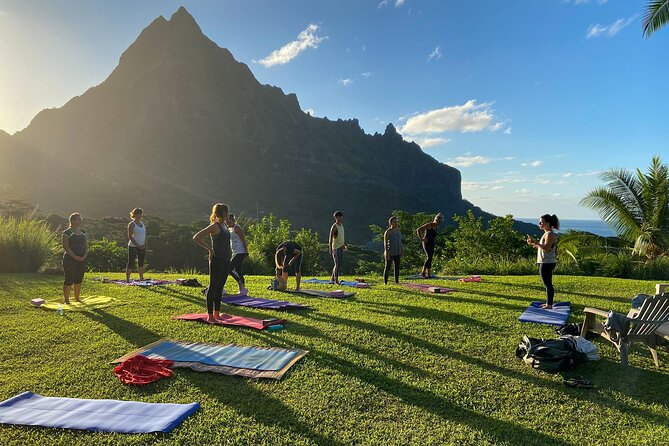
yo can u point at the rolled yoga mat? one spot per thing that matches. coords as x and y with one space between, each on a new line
557 315
125 417
230 320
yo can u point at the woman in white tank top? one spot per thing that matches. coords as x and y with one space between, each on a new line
546 254
136 244
239 252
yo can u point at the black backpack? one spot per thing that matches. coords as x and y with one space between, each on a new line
552 355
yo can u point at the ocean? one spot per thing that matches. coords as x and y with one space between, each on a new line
594 226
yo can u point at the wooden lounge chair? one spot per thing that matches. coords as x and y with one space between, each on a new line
643 323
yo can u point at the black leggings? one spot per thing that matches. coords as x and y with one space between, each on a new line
236 267
429 251
546 273
386 271
135 253
218 274
74 270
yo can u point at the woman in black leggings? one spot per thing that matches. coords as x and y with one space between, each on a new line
427 234
392 249
219 257
547 254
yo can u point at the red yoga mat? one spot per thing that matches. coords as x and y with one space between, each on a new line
236 321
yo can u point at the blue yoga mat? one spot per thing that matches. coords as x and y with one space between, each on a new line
227 355
557 315
321 281
125 417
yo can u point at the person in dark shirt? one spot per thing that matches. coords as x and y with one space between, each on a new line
219 257
427 235
288 258
75 245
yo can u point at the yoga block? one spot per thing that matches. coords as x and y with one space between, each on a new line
37 302
435 289
661 288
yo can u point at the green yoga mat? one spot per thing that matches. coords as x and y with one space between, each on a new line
88 303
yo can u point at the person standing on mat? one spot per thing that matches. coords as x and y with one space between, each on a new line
75 244
392 249
240 252
427 234
136 244
288 258
219 257
547 254
337 245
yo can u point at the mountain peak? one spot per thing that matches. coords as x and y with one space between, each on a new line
182 19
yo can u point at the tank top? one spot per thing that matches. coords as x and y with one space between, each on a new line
430 235
547 257
76 242
139 234
394 243
236 242
221 243
339 240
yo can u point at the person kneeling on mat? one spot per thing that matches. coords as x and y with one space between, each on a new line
288 258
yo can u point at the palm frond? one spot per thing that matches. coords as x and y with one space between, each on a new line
614 211
655 16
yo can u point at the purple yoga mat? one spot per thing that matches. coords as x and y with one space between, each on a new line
256 302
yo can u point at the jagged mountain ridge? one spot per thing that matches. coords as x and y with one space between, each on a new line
180 124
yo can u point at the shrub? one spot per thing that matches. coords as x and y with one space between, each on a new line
25 245
105 255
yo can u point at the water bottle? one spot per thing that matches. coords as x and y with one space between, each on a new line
60 309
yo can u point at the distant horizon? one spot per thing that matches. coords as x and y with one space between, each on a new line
524 137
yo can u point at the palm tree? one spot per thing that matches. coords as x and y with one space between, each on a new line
636 205
655 16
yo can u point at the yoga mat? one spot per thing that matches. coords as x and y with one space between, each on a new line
206 357
461 279
557 315
427 288
125 417
319 293
256 302
321 281
431 276
88 303
349 283
235 321
147 282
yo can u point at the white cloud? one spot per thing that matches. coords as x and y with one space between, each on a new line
507 131
522 191
306 39
2 13
583 2
435 54
345 82
469 117
429 142
398 3
536 163
468 160
310 111
470 185
367 74
609 30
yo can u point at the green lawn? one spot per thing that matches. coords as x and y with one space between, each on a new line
389 366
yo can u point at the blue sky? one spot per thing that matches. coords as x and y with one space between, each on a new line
530 99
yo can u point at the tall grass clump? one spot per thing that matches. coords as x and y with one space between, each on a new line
25 245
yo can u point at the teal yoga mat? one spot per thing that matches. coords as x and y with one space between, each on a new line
253 358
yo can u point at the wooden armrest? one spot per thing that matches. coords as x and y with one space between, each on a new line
596 311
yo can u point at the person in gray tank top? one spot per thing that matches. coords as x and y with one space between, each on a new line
392 249
547 254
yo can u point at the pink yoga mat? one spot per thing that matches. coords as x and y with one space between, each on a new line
428 288
236 321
